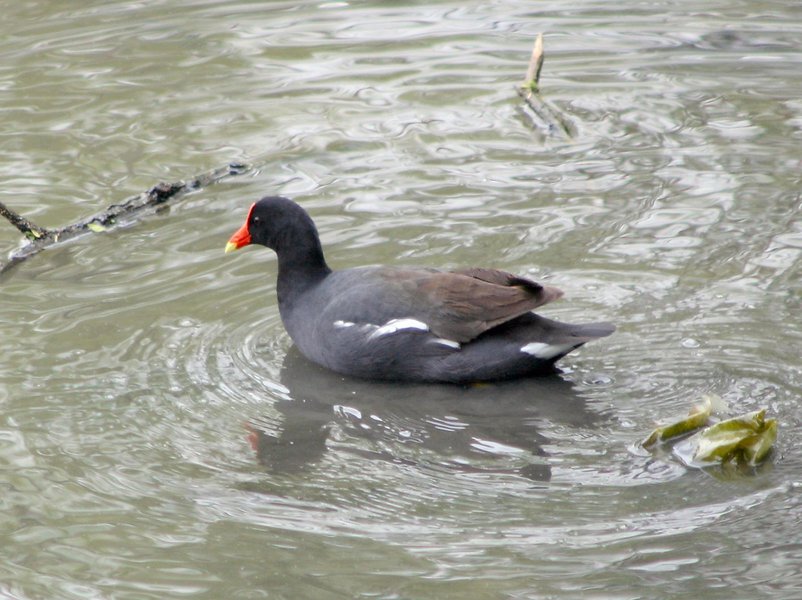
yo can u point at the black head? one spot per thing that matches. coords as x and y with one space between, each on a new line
275 222
286 228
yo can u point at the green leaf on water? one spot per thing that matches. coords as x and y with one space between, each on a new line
745 439
698 417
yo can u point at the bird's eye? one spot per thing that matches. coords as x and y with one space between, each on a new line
256 219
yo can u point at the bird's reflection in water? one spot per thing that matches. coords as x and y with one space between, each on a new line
454 423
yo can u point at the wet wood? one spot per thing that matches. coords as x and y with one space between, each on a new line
27 228
542 115
532 79
41 238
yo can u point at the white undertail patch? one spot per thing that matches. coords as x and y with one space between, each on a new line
546 351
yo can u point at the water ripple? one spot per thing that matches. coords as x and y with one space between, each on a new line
161 437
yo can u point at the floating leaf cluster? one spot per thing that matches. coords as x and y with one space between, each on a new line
745 440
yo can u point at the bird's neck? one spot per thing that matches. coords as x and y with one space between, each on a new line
298 271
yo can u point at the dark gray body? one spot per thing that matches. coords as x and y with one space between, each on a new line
333 326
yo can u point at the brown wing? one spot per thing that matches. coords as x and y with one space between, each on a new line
463 304
500 278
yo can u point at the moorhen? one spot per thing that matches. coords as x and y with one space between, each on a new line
403 323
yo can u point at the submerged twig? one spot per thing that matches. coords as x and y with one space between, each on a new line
542 114
41 238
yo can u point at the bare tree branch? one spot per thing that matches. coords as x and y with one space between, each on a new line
41 238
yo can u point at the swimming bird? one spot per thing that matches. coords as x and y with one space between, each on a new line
407 324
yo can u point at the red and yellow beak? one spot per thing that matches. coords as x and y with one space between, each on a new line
242 237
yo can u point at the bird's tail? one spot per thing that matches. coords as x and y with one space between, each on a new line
551 340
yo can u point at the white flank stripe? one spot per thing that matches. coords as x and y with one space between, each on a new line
545 351
397 325
445 342
343 324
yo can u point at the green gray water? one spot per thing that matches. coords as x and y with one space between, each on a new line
141 367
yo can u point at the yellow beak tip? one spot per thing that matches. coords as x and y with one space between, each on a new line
230 247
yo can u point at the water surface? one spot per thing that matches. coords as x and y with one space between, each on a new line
160 436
